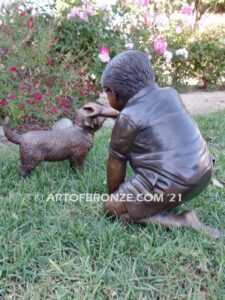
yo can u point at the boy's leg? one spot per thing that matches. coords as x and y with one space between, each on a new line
186 219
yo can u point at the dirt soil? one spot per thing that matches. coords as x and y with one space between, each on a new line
203 103
31 124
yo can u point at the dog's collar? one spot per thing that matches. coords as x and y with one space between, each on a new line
91 131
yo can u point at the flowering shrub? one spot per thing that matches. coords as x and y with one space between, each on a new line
33 81
50 64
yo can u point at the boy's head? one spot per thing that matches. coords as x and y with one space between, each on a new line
125 75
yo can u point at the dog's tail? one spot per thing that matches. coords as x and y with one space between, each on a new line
9 133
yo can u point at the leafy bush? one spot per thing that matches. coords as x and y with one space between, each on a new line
52 63
33 81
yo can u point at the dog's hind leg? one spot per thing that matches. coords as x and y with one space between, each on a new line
28 163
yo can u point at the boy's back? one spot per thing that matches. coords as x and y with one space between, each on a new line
161 140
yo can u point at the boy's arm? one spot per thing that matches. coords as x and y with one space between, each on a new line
116 172
123 134
101 110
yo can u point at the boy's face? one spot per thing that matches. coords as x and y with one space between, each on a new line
118 105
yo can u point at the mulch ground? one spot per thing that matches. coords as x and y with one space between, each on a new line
31 124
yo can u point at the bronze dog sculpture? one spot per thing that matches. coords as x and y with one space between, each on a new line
71 143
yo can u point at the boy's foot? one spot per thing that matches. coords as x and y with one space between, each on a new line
186 219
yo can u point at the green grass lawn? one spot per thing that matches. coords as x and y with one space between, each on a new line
70 250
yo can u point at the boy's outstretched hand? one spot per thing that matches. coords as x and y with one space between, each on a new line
101 110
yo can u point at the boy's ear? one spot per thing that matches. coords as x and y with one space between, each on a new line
109 92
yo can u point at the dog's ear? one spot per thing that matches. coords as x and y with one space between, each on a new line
88 121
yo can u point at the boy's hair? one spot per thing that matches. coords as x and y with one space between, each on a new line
128 73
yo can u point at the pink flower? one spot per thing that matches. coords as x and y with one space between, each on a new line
81 92
30 27
104 51
53 41
186 9
143 2
66 111
3 103
49 62
58 100
105 5
104 54
160 46
73 13
65 100
12 97
37 82
22 88
90 10
4 52
13 69
83 16
148 20
22 106
37 96
29 101
54 109
30 20
22 117
87 82
23 14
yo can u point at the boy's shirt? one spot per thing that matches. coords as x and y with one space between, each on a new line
159 138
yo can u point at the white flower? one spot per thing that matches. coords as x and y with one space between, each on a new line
178 29
162 22
168 56
187 20
103 4
183 52
129 46
104 57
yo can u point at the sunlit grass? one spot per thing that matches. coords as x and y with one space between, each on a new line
70 250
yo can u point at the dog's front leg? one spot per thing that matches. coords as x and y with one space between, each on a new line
77 163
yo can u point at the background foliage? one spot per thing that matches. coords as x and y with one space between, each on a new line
51 60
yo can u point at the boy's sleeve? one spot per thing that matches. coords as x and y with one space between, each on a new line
123 134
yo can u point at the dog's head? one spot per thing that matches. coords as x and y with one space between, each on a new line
90 123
